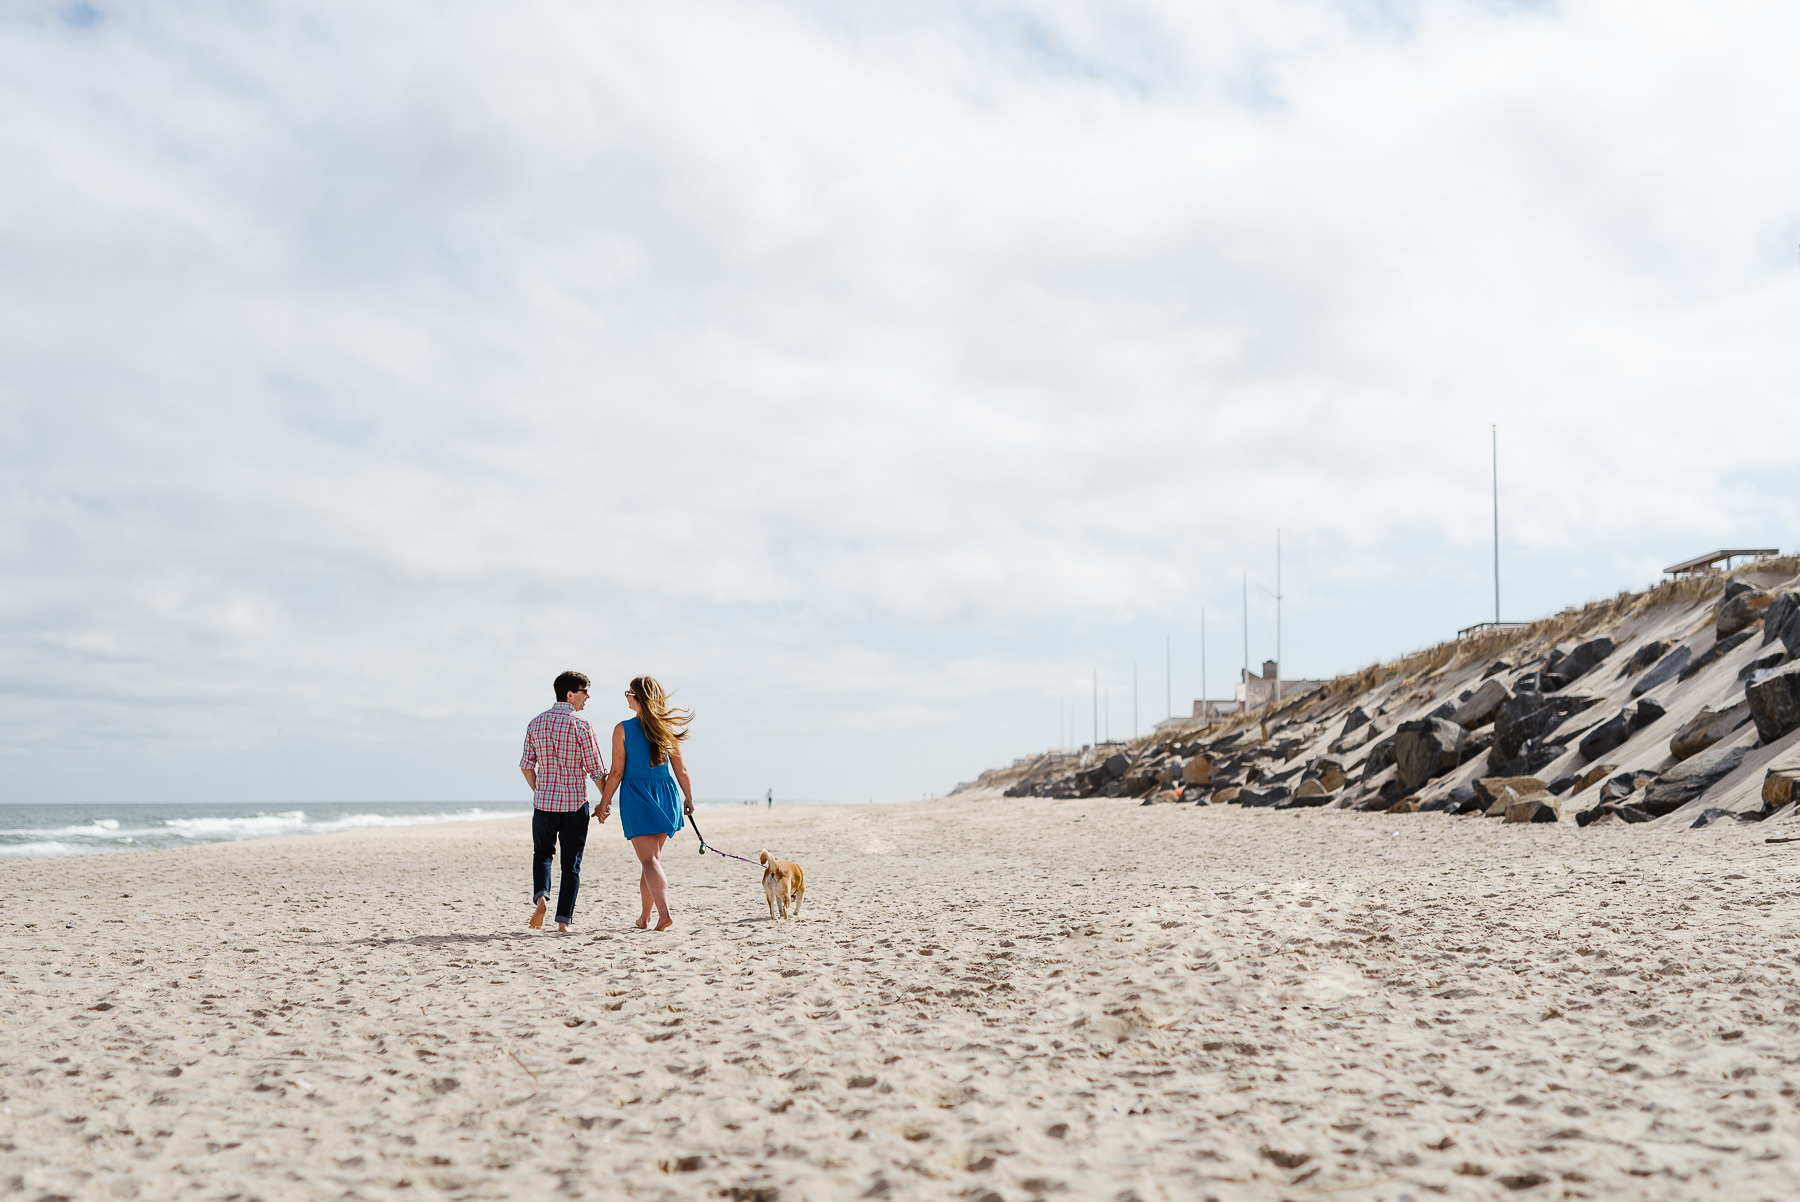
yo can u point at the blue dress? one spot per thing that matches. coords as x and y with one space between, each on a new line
649 801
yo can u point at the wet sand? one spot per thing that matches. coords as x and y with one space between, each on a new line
984 999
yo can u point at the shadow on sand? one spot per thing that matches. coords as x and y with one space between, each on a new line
436 940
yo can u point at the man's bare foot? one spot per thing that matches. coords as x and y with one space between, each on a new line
537 915
665 924
562 928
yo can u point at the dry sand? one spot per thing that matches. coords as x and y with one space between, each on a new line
1001 999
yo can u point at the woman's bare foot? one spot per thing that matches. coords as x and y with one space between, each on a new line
537 915
643 922
665 924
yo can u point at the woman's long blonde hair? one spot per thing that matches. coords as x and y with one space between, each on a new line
664 728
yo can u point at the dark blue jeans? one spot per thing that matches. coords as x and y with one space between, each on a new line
547 827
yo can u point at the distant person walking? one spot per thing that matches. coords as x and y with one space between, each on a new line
646 752
561 756
771 799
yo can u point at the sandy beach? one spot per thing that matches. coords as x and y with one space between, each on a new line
990 999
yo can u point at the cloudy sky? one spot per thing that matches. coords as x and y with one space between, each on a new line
872 375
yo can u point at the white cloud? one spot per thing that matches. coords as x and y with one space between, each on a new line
872 375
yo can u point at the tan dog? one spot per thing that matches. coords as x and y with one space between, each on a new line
783 882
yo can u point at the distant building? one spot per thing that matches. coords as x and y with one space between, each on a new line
1254 692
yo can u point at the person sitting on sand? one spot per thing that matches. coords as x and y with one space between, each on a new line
645 750
561 755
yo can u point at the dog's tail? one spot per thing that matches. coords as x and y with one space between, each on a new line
763 858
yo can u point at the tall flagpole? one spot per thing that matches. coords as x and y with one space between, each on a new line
1245 706
1494 431
1277 697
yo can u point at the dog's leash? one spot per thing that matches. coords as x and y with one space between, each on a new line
706 847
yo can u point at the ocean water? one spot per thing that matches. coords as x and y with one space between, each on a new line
85 829
74 830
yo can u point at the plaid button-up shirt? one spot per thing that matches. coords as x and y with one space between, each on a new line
559 745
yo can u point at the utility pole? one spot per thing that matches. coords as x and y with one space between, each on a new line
1277 697
1494 433
1168 676
1134 697
1244 705
1096 707
1205 706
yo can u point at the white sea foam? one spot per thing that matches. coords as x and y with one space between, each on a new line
352 822
112 835
288 822
20 851
101 828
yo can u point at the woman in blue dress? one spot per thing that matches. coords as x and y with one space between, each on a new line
646 763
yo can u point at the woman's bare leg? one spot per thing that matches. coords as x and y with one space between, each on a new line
649 854
643 922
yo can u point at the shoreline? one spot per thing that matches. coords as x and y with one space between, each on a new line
110 828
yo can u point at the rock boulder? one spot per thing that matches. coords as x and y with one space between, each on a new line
1625 784
1774 701
1197 771
1706 728
1511 794
1616 812
1714 654
1607 736
1426 747
1463 800
1781 786
1565 670
1489 789
1381 758
1643 657
1531 716
1667 668
1690 779
1482 705
1573 783
1531 809
1782 621
1713 814
1741 612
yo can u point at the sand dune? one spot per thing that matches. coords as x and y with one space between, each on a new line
1012 999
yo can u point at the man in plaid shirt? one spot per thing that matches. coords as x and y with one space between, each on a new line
560 758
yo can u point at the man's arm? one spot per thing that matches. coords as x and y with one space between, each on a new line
528 764
595 769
